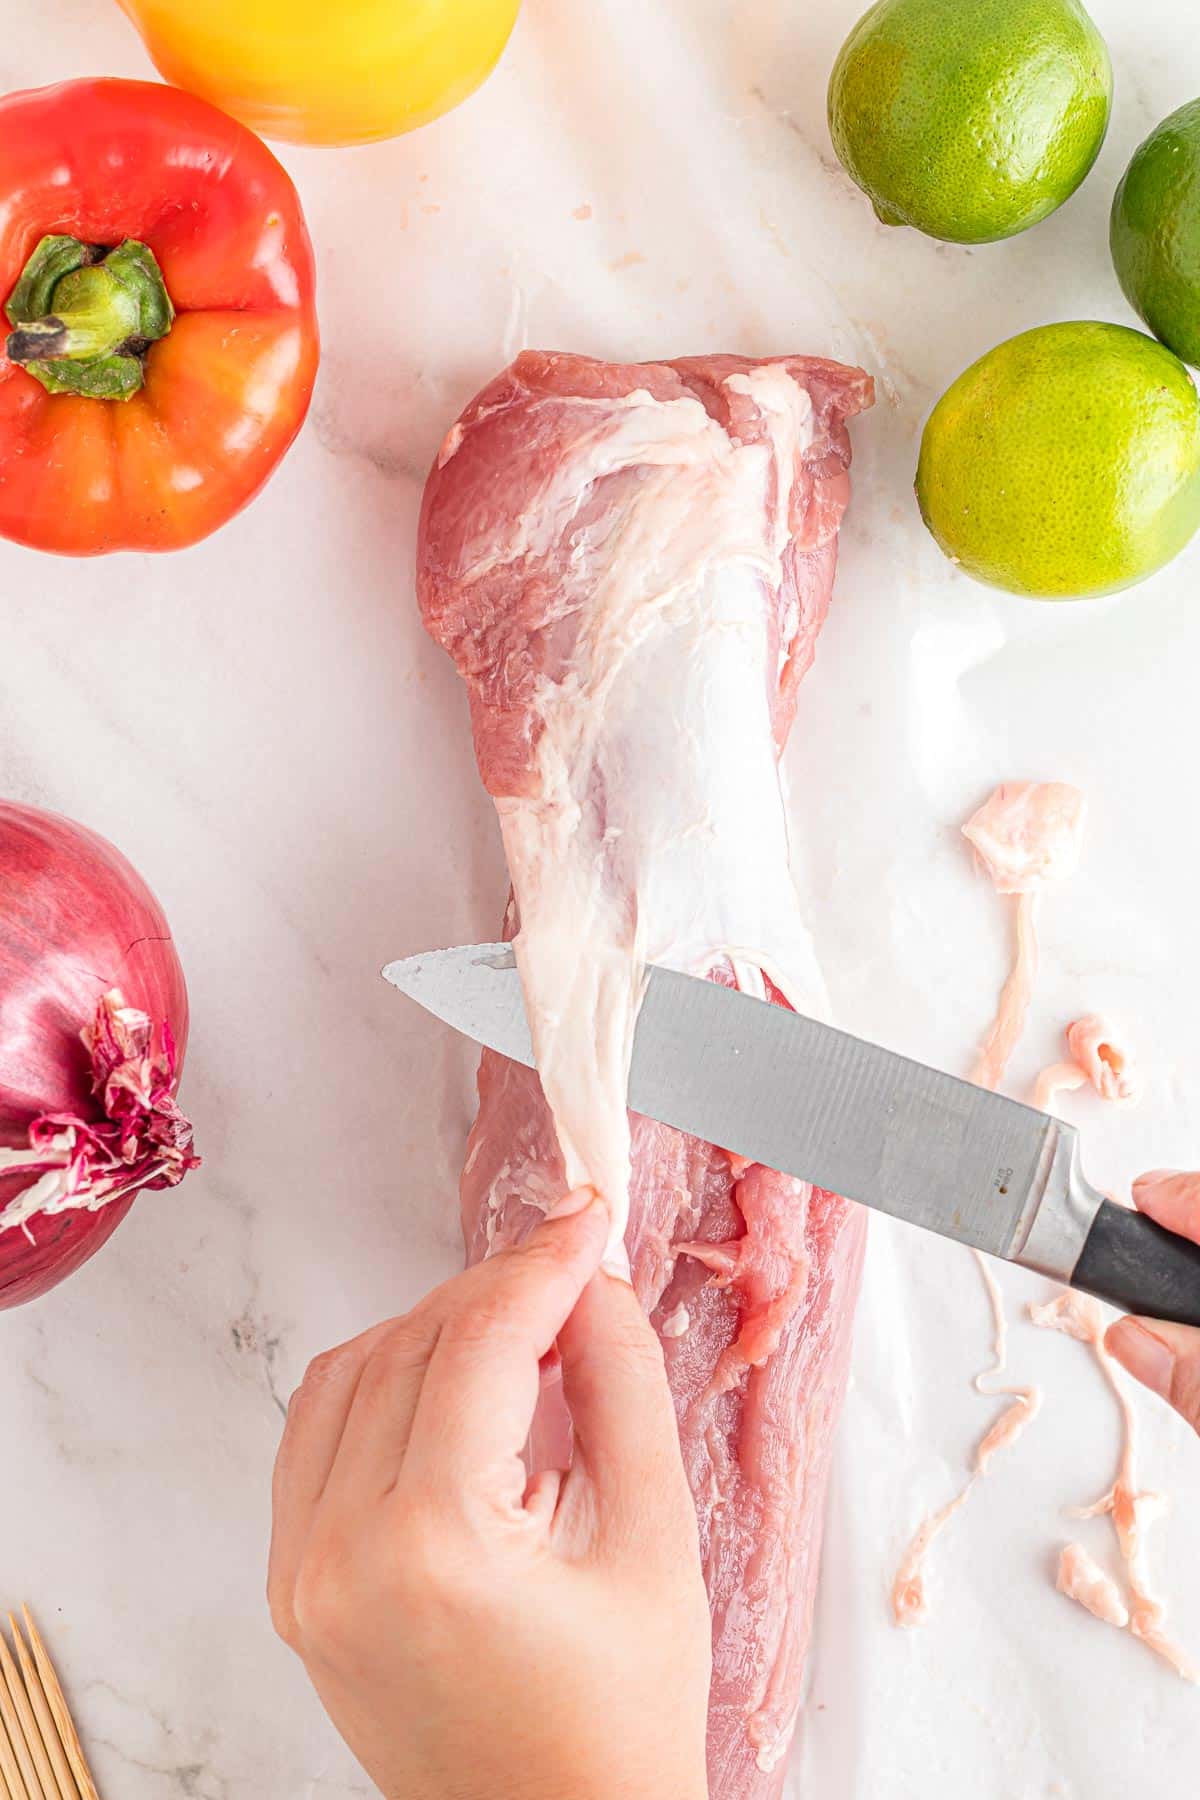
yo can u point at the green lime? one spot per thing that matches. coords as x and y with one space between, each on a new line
1155 231
1065 463
970 119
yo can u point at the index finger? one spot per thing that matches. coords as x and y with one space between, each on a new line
316 1419
481 1386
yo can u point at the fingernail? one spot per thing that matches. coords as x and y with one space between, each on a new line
1147 1358
577 1201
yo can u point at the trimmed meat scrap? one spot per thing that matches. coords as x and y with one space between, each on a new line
630 566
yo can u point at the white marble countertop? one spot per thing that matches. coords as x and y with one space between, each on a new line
263 728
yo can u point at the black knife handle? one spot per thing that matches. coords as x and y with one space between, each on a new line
1133 1263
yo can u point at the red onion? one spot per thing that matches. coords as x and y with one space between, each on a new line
93 1028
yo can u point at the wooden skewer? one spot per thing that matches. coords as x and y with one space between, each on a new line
60 1713
11 1785
66 1788
22 1727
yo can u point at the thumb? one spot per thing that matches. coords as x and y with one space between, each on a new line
1165 1358
627 1452
1172 1199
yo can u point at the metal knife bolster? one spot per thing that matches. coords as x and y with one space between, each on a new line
1120 1256
1062 1209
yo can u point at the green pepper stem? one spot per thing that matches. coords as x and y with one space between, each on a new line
84 317
40 338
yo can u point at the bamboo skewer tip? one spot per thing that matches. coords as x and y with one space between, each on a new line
41 1757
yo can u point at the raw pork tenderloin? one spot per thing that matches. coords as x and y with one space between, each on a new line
630 566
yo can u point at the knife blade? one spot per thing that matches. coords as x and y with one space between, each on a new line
851 1117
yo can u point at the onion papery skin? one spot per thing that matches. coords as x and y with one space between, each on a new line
76 922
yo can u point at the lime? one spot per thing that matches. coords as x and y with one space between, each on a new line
970 119
1155 231
1065 463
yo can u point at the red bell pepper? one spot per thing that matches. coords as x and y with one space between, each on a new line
158 279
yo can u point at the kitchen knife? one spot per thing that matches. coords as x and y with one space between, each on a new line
796 1095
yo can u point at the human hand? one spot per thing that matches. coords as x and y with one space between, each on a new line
472 1633
1165 1358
